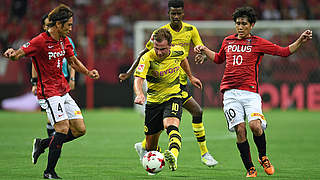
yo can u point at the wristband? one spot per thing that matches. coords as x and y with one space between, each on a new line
72 79
34 81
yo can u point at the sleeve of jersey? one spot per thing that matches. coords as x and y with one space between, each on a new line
196 39
30 48
220 57
268 47
73 46
69 48
143 67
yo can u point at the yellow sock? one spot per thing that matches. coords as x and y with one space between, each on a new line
200 134
175 142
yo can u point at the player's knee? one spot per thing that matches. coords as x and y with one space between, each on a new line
255 127
82 131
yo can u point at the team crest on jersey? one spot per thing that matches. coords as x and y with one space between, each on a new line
26 45
140 68
258 115
249 41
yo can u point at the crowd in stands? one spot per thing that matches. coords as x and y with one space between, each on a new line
113 22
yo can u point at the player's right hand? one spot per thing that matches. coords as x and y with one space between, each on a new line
196 82
198 49
124 76
139 99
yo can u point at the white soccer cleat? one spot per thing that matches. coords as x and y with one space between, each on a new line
140 150
208 160
171 159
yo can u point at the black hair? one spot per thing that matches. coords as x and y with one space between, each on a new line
175 4
247 12
44 17
61 13
163 34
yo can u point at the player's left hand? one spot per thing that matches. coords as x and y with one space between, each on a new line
196 82
124 76
306 35
93 74
9 53
200 58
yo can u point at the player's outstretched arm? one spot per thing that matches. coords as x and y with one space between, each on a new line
186 67
304 37
124 76
79 67
203 49
72 80
14 54
140 98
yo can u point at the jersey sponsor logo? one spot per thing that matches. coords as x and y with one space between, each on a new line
165 72
239 48
258 115
140 68
56 54
26 45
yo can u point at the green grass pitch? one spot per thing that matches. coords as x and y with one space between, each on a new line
107 150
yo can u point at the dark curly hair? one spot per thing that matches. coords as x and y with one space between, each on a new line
175 4
247 12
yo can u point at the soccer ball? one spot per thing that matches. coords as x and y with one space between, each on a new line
153 162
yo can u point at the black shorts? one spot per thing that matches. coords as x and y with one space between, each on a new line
185 94
155 113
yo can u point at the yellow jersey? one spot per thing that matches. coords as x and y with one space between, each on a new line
182 38
162 76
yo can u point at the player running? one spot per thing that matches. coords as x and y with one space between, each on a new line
160 67
47 51
182 34
68 72
242 53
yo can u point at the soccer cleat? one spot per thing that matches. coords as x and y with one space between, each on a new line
171 159
51 175
265 163
208 160
140 150
252 172
37 150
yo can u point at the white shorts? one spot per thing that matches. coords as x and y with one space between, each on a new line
60 108
239 105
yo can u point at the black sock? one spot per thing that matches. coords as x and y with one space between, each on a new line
55 150
244 149
196 119
261 144
44 143
50 130
69 137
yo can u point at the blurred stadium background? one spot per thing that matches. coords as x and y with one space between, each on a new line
104 31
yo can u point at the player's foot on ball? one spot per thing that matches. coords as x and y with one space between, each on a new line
252 172
208 160
37 150
50 175
265 163
140 150
171 159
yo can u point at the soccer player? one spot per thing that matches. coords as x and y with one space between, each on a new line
47 51
160 67
182 34
242 53
68 72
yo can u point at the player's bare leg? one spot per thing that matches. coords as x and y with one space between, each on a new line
199 131
244 149
260 141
